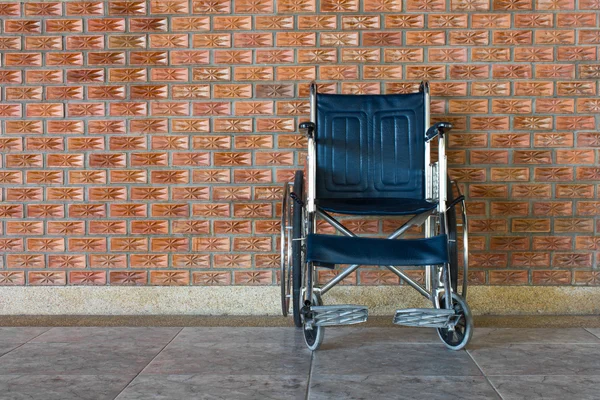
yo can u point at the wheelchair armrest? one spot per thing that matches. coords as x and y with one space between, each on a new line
439 128
309 127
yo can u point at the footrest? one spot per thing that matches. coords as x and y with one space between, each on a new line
339 315
424 317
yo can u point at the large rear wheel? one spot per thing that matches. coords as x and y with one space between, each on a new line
452 239
457 218
297 245
292 212
285 256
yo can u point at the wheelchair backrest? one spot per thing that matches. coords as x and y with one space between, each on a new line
370 146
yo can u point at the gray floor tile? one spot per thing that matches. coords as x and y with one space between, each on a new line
395 387
352 336
547 387
539 359
62 387
182 357
382 358
280 336
86 334
230 387
88 358
240 363
289 335
484 337
20 334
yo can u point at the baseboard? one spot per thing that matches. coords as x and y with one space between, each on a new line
264 300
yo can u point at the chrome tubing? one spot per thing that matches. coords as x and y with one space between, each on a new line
442 194
312 152
428 177
417 220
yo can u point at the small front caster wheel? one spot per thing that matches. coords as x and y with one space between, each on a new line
463 330
314 337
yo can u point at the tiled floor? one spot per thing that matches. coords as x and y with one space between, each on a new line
272 363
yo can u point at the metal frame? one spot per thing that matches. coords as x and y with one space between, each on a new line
437 280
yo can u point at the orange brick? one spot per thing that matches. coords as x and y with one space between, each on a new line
159 137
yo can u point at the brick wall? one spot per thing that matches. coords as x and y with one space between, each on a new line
145 142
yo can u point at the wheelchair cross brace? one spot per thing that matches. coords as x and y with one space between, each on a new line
417 220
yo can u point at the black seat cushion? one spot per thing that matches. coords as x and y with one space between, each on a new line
376 206
330 249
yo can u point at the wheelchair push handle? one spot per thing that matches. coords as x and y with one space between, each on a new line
309 127
439 128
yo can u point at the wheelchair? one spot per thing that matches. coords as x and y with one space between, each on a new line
371 155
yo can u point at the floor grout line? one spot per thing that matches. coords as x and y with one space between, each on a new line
591 333
149 362
484 375
310 371
35 337
23 344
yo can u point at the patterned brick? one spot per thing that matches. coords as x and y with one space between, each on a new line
144 136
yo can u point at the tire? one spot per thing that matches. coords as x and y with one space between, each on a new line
452 239
286 250
297 259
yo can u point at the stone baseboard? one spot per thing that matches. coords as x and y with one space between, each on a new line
264 300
